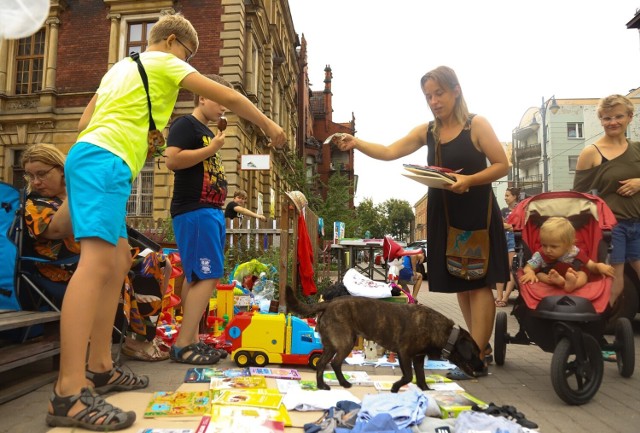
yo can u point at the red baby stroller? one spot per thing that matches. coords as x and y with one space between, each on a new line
571 326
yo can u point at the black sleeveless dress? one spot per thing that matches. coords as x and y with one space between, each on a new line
466 211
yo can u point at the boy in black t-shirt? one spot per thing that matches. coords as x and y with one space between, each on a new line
200 190
236 209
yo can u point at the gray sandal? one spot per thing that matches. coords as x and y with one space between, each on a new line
98 415
126 381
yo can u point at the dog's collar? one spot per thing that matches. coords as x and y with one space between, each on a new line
453 337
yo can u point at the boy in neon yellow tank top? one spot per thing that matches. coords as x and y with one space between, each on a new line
110 152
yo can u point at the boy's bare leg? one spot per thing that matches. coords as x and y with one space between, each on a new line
194 304
100 340
555 278
82 301
574 280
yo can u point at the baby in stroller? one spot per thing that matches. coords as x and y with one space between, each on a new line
565 314
559 261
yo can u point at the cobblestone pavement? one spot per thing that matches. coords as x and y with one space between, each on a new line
523 381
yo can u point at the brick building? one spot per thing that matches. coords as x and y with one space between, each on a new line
47 79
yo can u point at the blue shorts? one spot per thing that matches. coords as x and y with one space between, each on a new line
200 235
98 187
511 241
625 241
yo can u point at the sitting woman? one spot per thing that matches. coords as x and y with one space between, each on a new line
48 224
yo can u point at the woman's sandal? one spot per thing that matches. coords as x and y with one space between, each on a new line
124 381
206 348
98 415
193 354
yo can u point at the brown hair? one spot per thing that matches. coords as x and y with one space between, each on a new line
174 24
447 78
558 228
240 193
218 79
514 192
611 101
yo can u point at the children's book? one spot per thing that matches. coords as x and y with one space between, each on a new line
204 375
266 398
241 382
166 430
284 385
431 176
360 378
280 414
195 403
451 403
278 373
239 424
436 378
385 385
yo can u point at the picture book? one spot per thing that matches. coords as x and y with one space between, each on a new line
360 378
451 403
166 430
436 378
385 385
434 381
240 382
280 414
431 176
284 385
241 424
278 373
204 375
266 398
194 403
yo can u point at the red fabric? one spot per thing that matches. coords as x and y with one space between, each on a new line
392 250
305 259
597 291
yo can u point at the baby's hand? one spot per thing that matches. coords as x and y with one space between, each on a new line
605 269
529 277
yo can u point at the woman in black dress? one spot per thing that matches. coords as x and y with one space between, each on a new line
466 143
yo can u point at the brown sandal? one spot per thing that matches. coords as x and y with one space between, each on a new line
98 415
126 381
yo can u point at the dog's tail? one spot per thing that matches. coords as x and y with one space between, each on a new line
295 306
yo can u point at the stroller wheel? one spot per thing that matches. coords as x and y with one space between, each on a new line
625 347
500 339
576 382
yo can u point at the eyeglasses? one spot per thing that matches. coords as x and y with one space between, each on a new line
190 53
40 176
617 118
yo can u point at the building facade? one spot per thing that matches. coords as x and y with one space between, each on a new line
47 79
573 126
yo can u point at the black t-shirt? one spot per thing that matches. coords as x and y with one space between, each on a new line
230 211
204 184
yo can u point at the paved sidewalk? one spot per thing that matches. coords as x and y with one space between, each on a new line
522 382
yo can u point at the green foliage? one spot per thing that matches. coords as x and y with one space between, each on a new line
399 215
294 174
372 218
336 207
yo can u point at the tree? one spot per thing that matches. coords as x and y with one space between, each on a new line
336 206
372 218
399 215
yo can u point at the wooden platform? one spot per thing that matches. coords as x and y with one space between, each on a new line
14 354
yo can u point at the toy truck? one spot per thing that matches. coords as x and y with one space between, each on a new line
258 339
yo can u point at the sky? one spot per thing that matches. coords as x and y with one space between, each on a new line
508 55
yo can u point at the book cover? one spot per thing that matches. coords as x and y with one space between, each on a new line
430 170
266 398
204 375
195 403
280 414
431 180
284 385
278 373
385 385
240 382
239 424
166 430
354 377
451 403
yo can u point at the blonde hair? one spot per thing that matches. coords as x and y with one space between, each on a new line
45 153
174 24
446 78
560 229
218 79
612 101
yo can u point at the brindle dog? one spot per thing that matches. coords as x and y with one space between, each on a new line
412 331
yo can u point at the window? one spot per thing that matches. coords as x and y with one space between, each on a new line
18 171
574 130
310 169
137 39
140 203
573 160
30 64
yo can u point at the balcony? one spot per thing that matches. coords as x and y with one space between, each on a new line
528 151
531 185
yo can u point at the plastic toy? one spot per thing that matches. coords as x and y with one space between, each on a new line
259 339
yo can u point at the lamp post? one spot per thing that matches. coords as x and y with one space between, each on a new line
552 105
